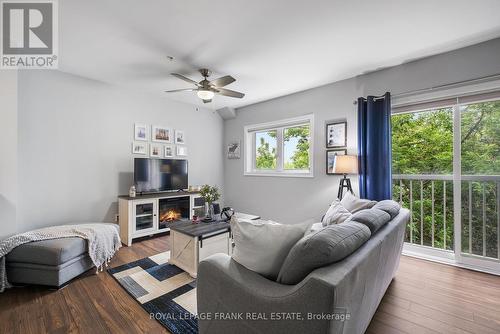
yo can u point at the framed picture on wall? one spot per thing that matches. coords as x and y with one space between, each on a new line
234 150
336 134
330 159
169 151
155 151
139 148
140 132
161 134
180 137
181 150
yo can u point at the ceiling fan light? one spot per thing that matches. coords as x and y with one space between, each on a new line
205 94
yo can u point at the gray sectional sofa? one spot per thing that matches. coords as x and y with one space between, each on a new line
337 298
51 262
54 259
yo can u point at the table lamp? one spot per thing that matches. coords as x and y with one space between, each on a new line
345 164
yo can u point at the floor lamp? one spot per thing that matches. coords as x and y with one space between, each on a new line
345 164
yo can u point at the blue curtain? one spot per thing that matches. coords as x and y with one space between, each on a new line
374 147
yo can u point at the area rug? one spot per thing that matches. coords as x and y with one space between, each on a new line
166 292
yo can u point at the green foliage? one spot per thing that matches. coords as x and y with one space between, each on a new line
209 193
481 138
300 158
422 143
266 155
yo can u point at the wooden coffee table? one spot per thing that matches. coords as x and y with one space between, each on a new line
193 242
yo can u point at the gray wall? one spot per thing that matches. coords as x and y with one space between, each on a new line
291 200
75 138
8 152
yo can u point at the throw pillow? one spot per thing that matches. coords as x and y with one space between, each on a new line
328 245
336 214
389 206
373 218
354 204
262 246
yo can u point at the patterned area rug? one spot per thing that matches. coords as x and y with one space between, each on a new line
166 292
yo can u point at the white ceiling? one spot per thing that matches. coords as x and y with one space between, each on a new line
272 47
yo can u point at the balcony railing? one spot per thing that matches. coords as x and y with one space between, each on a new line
430 199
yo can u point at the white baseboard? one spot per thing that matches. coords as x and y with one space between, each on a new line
443 257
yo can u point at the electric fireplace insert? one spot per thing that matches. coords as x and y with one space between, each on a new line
172 210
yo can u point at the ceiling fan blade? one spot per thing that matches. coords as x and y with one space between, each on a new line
223 81
181 90
230 93
180 76
207 101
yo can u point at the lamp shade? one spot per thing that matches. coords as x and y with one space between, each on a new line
345 164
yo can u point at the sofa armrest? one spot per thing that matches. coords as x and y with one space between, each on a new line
256 304
361 279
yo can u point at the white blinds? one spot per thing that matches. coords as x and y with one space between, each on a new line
447 102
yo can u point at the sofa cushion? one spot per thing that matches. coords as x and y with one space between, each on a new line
336 214
373 218
49 252
328 245
354 204
262 245
388 206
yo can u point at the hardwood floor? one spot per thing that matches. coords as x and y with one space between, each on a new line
425 297
89 304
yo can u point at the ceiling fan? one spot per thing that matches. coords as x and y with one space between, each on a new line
206 89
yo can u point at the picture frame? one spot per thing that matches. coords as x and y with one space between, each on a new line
141 132
330 158
181 150
155 151
161 134
180 137
234 150
336 134
168 151
139 148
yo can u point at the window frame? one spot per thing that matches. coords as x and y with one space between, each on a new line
279 125
475 91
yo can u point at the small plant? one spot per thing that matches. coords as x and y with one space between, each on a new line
209 193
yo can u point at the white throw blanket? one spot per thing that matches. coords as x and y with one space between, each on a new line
103 242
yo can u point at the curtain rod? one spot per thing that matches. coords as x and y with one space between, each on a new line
380 97
453 84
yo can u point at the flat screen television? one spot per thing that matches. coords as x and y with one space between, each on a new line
156 175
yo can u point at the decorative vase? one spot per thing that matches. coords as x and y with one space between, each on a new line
209 211
132 191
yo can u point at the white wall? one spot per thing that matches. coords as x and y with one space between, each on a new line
8 152
75 138
294 199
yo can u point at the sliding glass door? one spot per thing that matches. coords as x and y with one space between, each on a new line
479 151
446 170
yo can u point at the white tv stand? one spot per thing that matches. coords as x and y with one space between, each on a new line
140 216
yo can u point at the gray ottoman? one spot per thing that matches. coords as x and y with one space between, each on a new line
49 262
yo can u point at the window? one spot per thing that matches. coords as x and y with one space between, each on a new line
282 148
422 142
480 138
265 154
